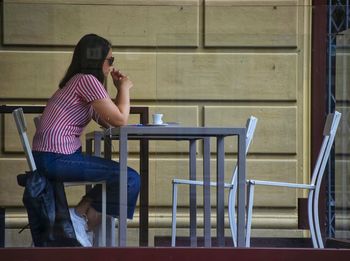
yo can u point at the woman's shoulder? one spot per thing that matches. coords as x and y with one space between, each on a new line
89 79
90 87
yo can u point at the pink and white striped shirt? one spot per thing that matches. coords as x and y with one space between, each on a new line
67 113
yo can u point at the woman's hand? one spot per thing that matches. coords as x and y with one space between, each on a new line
115 112
120 80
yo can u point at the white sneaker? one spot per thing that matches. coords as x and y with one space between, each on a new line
80 228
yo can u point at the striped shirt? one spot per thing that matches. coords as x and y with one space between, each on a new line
67 113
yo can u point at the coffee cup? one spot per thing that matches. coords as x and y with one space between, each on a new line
157 118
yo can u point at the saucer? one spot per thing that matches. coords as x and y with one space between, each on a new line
153 124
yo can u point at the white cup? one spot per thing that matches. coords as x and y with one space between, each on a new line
157 118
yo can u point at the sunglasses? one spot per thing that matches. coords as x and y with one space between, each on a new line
110 60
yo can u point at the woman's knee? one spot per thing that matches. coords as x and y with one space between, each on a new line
134 180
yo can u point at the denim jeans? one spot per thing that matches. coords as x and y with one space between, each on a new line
80 167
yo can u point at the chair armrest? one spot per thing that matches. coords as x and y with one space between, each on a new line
280 184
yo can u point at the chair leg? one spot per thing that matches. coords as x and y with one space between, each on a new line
111 224
316 219
250 198
101 235
311 218
104 202
2 227
232 214
173 220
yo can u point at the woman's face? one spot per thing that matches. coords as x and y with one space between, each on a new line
108 63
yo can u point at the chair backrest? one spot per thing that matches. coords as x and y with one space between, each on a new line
329 131
37 121
22 131
250 126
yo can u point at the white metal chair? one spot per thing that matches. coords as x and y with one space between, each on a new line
103 234
22 130
251 125
329 132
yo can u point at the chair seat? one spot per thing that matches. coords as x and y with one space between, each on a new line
82 183
198 183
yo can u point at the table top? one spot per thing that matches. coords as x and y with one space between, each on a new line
174 130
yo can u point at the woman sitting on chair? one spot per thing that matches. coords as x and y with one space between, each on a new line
81 96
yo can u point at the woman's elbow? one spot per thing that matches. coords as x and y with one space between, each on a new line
123 122
119 122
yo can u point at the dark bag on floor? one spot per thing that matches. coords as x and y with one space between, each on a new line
47 209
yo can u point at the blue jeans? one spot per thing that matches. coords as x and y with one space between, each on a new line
79 167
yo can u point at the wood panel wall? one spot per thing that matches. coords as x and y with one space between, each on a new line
200 62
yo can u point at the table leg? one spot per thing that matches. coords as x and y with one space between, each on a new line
88 145
193 195
2 227
206 192
88 148
144 198
220 206
107 147
123 157
97 144
110 221
241 197
103 227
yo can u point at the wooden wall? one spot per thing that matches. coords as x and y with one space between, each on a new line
200 62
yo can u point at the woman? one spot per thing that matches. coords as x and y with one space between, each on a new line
56 145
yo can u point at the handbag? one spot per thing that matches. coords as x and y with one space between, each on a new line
47 208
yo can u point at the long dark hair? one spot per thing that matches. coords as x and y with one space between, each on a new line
88 58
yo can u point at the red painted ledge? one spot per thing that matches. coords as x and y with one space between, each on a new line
163 254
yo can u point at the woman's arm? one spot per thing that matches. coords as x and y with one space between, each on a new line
116 113
96 117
